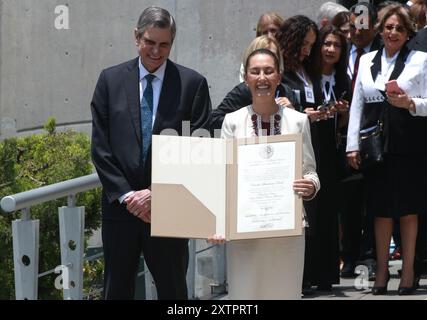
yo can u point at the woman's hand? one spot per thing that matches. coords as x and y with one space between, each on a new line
353 159
332 111
304 188
342 106
216 239
283 101
399 100
316 115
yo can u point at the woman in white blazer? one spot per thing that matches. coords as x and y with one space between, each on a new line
395 188
268 268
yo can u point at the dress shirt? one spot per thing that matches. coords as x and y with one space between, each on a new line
352 58
157 88
157 84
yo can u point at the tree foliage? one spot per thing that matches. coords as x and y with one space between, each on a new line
31 162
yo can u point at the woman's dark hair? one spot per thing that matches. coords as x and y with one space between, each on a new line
341 65
291 39
340 19
263 51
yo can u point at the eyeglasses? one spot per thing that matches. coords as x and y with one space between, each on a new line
390 27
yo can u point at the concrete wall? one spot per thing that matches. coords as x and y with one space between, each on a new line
49 72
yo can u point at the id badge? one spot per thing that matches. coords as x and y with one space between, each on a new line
380 82
309 94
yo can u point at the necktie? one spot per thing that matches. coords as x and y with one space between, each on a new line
147 116
360 52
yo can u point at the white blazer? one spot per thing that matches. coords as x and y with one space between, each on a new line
413 80
238 124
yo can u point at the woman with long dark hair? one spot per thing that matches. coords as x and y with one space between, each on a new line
298 39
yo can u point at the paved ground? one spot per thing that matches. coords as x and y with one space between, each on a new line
346 289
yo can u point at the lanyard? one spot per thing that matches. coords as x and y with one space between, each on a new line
303 79
328 93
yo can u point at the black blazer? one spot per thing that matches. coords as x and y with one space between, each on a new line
292 80
116 131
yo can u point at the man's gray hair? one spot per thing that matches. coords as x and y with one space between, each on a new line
328 11
158 18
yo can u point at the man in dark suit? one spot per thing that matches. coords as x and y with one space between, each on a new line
132 101
419 42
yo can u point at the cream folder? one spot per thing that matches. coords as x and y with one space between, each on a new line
194 187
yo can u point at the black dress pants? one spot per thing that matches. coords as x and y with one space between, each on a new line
350 202
166 258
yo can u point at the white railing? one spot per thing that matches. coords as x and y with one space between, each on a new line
25 234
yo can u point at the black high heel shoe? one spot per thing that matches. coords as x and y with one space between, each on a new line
406 291
376 290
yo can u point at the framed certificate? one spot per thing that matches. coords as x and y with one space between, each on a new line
261 200
238 188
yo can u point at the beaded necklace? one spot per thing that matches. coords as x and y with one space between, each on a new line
257 124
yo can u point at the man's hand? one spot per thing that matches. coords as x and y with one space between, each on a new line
353 159
139 204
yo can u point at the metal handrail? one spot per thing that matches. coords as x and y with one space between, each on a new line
25 200
29 198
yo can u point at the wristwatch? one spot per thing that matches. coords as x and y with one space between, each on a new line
411 106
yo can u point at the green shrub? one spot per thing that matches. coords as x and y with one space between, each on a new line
31 162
